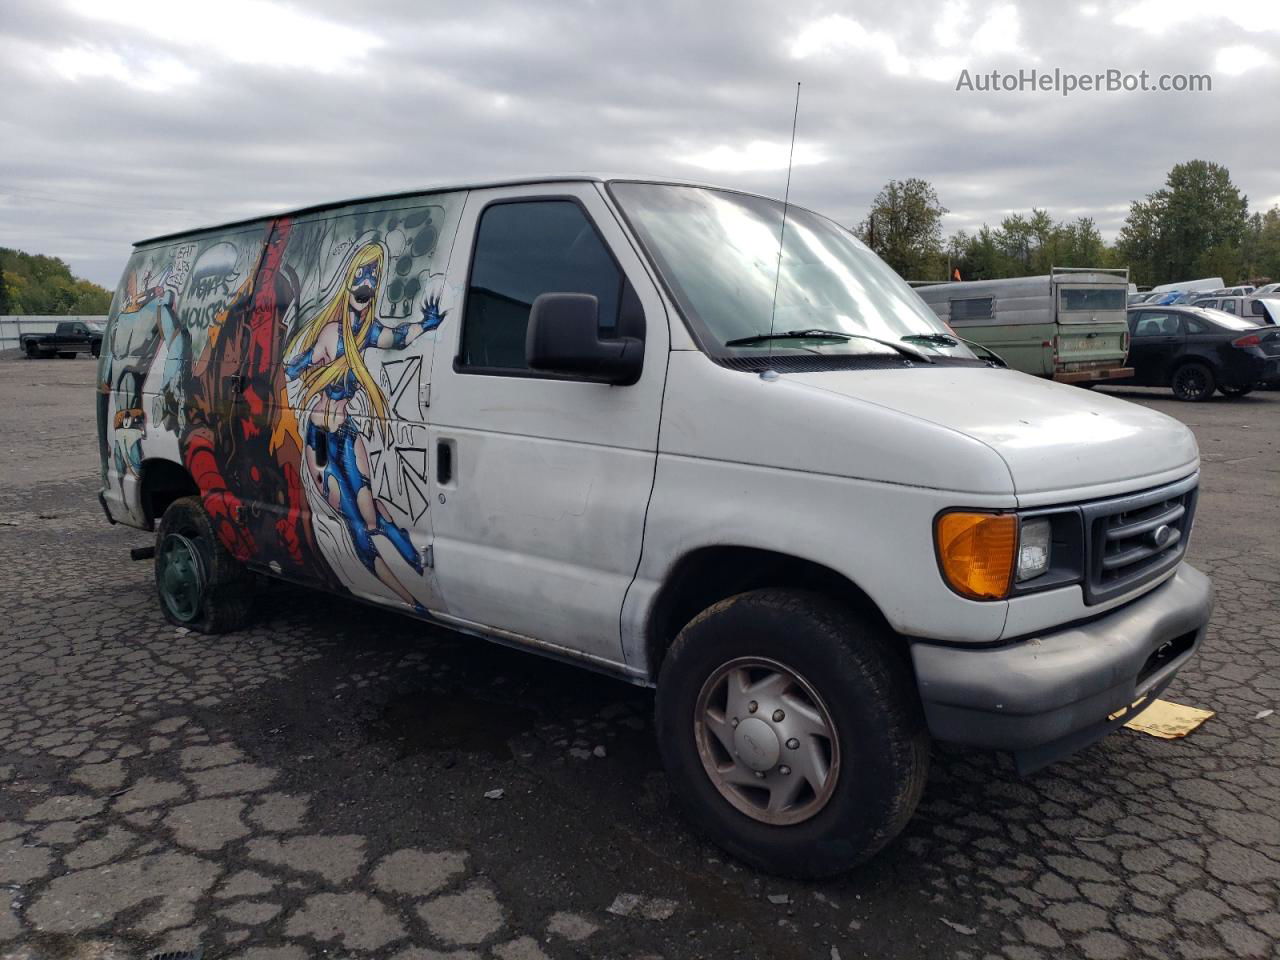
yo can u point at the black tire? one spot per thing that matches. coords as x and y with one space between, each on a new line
96 349
222 598
866 687
33 351
1227 391
1193 382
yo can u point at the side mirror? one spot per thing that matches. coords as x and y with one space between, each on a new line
564 337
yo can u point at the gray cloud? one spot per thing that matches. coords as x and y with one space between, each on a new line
167 116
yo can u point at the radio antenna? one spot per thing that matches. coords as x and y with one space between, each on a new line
782 234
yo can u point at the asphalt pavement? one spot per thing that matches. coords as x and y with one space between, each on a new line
339 781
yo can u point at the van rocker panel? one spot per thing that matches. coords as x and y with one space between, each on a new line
1053 694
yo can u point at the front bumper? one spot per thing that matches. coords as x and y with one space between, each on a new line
1051 695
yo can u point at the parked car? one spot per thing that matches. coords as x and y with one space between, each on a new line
1195 351
595 419
1239 291
1268 290
1260 310
68 339
1068 325
1201 287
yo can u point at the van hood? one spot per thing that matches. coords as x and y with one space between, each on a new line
1052 436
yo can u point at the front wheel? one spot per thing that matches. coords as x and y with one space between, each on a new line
791 732
1193 382
199 584
96 349
33 351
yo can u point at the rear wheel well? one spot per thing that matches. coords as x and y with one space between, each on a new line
711 574
1189 359
163 482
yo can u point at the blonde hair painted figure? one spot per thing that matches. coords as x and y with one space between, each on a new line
327 356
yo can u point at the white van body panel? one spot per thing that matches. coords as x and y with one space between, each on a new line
824 423
1052 436
539 530
869 532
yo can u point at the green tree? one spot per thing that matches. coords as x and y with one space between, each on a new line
904 226
1195 223
1260 251
1028 246
39 285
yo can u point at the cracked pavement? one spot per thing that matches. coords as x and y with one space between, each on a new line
316 785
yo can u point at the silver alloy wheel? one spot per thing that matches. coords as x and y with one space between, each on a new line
767 741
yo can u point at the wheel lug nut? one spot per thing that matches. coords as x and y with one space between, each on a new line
733 722
752 707
760 774
778 716
793 744
784 770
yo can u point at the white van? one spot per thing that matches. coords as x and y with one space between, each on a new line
602 419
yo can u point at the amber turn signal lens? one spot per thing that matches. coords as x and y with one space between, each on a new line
977 552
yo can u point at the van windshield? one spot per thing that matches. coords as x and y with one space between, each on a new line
718 252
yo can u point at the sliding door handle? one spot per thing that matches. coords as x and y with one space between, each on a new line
444 462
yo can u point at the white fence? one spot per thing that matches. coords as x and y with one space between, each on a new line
13 327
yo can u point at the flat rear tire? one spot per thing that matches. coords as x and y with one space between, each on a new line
198 583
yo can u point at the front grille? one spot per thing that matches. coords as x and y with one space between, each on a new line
1135 538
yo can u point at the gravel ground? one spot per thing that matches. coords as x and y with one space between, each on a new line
326 782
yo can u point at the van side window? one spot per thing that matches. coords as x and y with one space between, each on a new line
522 250
973 308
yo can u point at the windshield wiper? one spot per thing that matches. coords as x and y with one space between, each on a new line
990 357
820 334
939 338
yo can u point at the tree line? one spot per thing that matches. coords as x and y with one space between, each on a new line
1197 225
36 285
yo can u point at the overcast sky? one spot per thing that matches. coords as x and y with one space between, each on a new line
126 118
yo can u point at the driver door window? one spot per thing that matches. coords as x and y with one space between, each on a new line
522 250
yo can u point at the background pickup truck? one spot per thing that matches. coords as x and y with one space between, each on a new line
76 336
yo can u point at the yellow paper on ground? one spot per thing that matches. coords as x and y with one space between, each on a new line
1168 720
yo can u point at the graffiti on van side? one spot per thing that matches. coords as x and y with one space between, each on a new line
326 358
284 365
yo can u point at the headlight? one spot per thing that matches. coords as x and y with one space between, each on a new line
976 552
1034 543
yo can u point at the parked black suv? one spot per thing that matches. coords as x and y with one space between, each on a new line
1194 351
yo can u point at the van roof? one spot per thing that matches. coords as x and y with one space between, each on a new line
442 187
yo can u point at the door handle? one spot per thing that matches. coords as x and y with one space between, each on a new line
444 462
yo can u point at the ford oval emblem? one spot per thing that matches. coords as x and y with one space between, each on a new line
1161 535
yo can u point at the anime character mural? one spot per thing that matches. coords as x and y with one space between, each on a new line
130 424
326 357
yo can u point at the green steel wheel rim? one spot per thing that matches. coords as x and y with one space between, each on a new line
182 577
